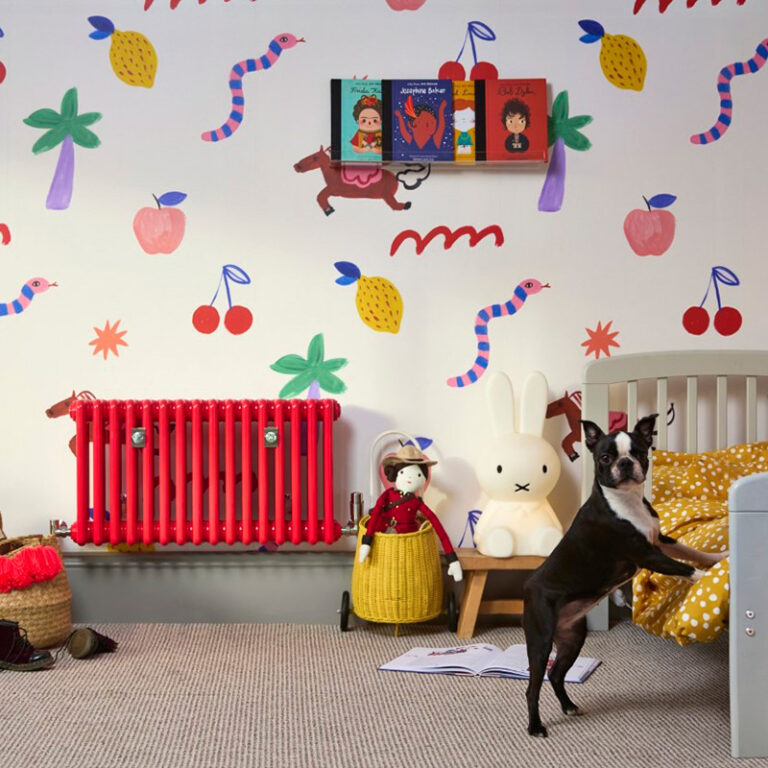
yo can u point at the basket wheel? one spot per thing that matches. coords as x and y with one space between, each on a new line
344 612
453 614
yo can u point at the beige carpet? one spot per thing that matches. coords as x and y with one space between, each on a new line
213 696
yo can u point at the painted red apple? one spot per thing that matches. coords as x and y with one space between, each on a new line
161 229
651 232
405 5
2 71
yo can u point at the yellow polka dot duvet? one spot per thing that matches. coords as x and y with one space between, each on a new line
690 492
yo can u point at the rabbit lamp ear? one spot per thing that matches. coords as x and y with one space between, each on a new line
501 403
533 406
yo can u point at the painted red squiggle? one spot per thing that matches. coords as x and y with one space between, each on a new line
174 3
664 4
450 237
5 234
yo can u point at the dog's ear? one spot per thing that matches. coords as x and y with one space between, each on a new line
646 428
592 433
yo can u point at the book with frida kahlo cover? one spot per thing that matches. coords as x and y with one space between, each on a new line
357 121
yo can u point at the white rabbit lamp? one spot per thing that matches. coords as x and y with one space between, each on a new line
517 469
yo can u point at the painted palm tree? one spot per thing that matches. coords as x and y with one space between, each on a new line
66 128
563 132
313 372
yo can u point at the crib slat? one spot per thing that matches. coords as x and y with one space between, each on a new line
631 404
692 415
751 417
722 412
661 406
594 407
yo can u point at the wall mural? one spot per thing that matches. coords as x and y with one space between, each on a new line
29 290
727 319
484 316
2 66
368 181
66 128
651 232
664 4
276 46
161 229
600 340
378 301
61 408
481 70
563 132
405 5
5 234
727 73
450 237
108 339
312 372
621 58
133 57
238 319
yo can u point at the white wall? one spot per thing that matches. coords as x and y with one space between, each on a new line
247 206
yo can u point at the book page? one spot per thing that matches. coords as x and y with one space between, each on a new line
458 660
513 662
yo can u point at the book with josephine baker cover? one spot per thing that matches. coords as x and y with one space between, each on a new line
421 119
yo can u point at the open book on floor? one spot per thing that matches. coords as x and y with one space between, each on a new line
481 660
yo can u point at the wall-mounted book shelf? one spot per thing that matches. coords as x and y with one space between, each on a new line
457 122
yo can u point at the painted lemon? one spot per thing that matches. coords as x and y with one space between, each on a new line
133 57
621 58
378 301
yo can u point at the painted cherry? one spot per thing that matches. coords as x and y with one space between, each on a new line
238 319
206 319
696 320
484 70
451 70
727 321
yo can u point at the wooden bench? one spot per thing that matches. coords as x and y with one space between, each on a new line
475 567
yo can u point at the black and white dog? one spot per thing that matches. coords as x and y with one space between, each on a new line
614 534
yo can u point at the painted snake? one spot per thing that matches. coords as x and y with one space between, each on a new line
33 286
724 89
276 47
521 293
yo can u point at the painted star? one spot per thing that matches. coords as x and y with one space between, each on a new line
108 339
600 340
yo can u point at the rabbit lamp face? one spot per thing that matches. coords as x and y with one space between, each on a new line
517 464
518 467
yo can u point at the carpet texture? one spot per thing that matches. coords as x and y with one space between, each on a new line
227 695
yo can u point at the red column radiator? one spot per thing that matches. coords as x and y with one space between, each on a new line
164 471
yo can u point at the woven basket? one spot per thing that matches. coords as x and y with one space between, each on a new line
44 610
401 581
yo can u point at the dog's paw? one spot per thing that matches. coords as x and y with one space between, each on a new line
695 576
573 711
537 729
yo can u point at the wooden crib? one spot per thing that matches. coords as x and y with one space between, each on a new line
713 385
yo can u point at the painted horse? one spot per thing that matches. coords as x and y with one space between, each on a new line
62 409
570 406
363 181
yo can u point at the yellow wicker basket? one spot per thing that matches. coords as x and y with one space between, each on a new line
401 581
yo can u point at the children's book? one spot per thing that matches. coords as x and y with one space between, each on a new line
481 660
512 120
464 133
421 119
357 121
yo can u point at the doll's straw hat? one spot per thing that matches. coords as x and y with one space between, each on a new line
408 454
